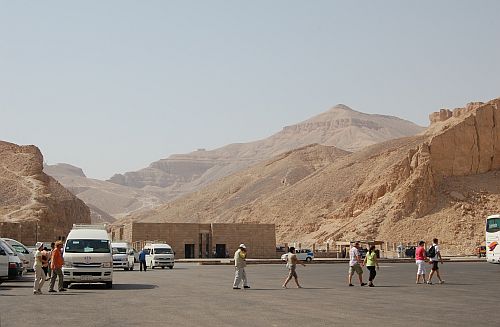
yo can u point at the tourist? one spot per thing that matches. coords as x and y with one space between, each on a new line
371 262
39 273
239 267
435 255
52 248
291 264
56 265
45 262
420 257
355 265
142 259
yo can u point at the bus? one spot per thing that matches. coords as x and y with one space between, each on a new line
493 239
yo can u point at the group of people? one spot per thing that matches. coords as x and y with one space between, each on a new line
48 266
432 256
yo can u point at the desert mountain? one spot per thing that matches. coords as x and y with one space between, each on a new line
340 126
107 201
442 183
34 205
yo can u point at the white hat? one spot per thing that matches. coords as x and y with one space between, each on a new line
38 245
242 246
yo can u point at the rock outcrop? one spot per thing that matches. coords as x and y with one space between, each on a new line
442 183
33 205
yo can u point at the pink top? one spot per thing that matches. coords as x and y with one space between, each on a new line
420 253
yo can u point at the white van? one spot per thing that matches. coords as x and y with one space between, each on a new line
87 256
123 255
16 267
26 256
159 255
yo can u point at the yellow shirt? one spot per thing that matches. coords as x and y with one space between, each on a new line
370 258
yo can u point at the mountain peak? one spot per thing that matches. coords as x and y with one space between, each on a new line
341 106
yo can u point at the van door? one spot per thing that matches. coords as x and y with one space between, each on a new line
4 264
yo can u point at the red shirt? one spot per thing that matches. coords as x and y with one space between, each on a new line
57 259
420 253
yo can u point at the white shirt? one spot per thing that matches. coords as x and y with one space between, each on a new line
353 254
38 259
436 249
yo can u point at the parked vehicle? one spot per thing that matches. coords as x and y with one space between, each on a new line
302 254
26 256
159 255
480 251
87 256
16 267
4 265
123 255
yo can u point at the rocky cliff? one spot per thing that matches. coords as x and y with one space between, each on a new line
34 205
442 183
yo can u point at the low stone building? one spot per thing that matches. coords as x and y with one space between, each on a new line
191 240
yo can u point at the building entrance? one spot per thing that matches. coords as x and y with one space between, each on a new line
189 251
220 250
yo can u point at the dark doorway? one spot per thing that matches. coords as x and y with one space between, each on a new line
189 251
220 250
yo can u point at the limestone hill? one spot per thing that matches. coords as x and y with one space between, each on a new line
32 204
439 184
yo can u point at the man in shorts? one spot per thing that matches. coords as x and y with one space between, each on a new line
435 261
355 264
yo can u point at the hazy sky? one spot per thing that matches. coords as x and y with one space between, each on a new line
111 86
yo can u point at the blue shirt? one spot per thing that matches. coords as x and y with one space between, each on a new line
142 256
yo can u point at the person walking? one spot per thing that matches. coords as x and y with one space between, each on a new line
354 264
371 263
420 258
434 254
56 265
291 264
45 262
239 267
142 259
38 267
52 248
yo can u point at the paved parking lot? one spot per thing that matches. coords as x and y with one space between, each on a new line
193 295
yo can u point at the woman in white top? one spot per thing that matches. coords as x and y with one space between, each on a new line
38 267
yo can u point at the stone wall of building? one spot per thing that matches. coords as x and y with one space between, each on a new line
190 240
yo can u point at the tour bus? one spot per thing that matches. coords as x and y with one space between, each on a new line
493 239
159 255
123 255
87 256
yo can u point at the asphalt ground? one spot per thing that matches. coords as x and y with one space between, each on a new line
197 295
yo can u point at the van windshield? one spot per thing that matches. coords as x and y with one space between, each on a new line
87 246
163 251
119 250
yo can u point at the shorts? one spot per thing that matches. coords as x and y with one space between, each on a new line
435 265
292 272
355 269
420 267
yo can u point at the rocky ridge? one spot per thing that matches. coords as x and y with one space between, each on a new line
442 183
34 205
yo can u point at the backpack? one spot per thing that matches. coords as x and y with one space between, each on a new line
431 253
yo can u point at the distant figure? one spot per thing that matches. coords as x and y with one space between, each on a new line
400 250
52 248
355 264
291 264
39 273
45 262
435 255
56 265
142 259
239 267
420 257
370 263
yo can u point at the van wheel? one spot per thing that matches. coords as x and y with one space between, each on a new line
126 268
162 267
308 259
170 267
66 284
109 285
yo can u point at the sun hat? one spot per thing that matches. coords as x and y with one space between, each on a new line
243 246
38 245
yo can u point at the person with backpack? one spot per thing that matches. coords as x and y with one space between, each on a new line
291 264
420 257
434 255
370 263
